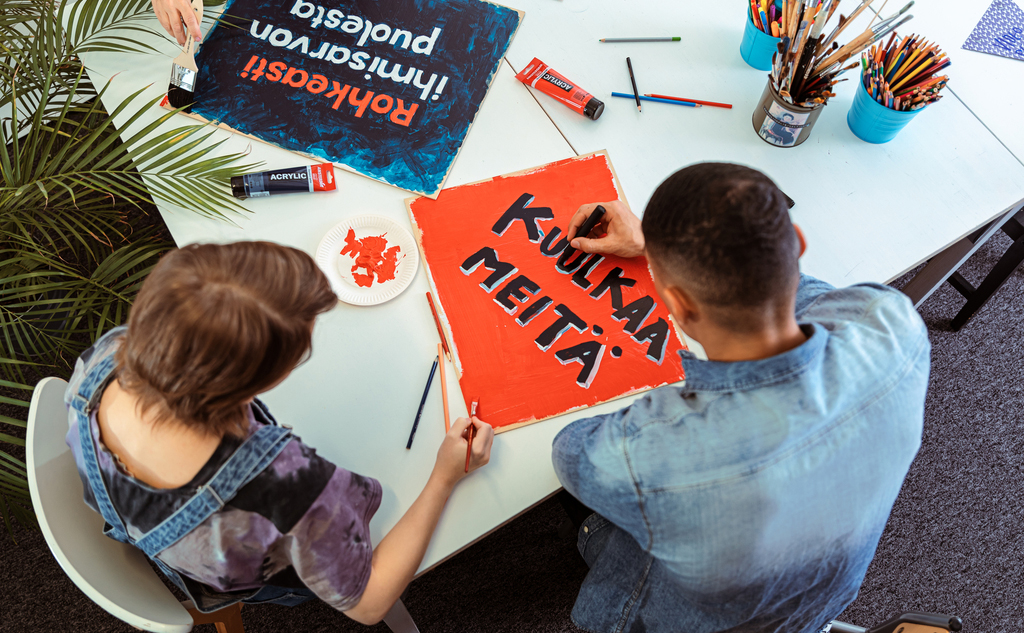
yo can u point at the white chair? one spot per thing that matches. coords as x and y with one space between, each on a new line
114 575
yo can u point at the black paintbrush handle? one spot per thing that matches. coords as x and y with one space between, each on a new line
585 229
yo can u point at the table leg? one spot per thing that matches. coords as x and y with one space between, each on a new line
945 263
1002 271
399 620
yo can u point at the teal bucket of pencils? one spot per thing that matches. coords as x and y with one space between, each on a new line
757 46
873 122
897 82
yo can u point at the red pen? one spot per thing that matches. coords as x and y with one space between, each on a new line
472 432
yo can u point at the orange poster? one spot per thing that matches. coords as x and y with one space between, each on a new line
530 338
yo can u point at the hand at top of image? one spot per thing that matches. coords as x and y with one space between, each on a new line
619 231
171 13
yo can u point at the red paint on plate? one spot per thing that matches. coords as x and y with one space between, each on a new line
372 256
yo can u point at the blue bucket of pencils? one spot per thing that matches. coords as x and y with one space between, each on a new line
757 47
873 122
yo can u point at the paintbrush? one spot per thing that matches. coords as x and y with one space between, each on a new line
180 92
471 432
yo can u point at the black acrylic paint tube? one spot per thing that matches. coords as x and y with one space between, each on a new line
305 179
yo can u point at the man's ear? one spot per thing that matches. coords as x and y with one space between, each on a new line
800 236
681 305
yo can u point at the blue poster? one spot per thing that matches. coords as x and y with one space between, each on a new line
388 89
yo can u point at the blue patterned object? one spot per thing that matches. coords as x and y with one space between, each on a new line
388 89
1000 31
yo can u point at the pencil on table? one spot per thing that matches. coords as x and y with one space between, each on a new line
632 80
697 101
646 98
423 401
440 330
444 392
640 39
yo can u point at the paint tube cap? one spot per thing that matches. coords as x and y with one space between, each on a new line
238 187
593 109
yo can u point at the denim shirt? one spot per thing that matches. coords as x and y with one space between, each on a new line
752 497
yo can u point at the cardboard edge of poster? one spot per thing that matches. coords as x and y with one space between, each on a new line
319 159
508 427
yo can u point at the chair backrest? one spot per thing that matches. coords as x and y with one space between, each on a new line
114 575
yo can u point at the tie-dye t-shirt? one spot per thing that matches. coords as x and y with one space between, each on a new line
302 522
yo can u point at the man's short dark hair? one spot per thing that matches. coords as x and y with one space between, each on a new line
724 231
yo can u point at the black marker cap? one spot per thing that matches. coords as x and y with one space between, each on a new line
238 187
593 109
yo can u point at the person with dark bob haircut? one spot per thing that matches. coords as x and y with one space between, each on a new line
185 463
752 496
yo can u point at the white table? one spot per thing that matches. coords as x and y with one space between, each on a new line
355 399
870 212
971 81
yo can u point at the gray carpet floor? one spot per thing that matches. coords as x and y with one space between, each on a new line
954 542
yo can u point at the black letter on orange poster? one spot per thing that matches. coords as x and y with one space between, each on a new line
531 217
615 282
566 319
552 246
533 310
515 289
580 276
657 334
587 354
489 258
637 312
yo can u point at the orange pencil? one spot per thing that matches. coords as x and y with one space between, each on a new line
707 103
444 391
440 330
472 432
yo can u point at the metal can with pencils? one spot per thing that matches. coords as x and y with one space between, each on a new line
780 123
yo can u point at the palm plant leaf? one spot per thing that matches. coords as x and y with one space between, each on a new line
70 260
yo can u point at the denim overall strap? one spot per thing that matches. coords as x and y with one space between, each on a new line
251 458
84 402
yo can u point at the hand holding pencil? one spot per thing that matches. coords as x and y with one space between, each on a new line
451 456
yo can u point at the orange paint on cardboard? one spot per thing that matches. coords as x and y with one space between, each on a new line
531 338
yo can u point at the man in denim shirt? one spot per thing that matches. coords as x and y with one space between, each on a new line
752 497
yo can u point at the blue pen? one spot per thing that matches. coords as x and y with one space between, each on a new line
423 401
643 98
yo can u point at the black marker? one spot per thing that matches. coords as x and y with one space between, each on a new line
588 226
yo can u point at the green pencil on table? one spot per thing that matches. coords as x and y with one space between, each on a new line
611 40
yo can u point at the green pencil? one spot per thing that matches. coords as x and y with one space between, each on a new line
641 39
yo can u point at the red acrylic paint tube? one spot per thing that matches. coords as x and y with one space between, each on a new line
292 180
542 77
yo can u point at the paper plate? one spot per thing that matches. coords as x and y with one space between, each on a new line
351 285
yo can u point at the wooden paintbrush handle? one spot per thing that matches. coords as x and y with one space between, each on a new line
190 42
